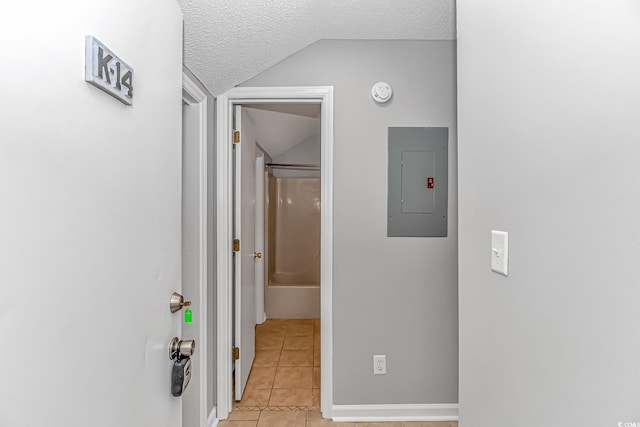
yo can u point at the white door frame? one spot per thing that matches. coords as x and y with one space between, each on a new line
193 95
322 95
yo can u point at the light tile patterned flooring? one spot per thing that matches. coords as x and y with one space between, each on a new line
286 369
283 389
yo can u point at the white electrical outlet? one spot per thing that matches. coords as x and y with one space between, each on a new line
379 364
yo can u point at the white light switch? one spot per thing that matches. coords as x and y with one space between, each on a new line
500 252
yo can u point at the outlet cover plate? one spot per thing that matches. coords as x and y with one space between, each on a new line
379 364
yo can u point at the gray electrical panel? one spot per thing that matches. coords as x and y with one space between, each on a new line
418 178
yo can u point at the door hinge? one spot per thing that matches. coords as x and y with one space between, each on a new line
236 353
236 136
236 245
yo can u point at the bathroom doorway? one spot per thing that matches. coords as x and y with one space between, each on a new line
295 338
288 139
286 368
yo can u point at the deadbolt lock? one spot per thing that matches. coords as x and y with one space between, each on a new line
177 302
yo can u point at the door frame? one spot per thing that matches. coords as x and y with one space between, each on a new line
322 95
194 96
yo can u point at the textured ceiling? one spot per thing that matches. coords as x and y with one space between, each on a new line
229 41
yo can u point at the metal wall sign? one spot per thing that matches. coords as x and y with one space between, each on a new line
106 71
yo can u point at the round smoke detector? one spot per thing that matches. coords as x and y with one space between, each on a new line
381 92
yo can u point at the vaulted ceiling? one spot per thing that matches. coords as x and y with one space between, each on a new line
229 41
278 131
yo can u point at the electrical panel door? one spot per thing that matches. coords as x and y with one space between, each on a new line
418 182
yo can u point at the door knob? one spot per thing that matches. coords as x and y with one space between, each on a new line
179 349
257 255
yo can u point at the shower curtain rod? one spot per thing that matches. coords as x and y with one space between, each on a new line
291 165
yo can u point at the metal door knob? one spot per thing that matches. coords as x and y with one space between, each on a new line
257 255
179 349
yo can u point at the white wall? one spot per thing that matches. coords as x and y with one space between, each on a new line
549 102
90 217
393 296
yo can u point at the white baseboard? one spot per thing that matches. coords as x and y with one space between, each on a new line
212 421
410 412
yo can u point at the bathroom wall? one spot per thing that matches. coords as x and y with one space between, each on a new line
260 149
549 105
306 152
393 296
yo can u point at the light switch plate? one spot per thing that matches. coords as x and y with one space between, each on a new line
500 252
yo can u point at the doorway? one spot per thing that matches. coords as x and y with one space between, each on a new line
322 96
281 142
288 209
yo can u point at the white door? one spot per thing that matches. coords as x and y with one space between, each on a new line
259 229
90 217
244 230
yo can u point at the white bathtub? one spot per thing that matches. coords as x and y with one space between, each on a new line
292 248
286 299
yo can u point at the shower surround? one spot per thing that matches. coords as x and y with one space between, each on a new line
292 243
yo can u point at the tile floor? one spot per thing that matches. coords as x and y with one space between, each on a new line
286 369
283 389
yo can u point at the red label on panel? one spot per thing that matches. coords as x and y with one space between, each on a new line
430 182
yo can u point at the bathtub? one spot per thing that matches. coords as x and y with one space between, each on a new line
286 297
292 248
